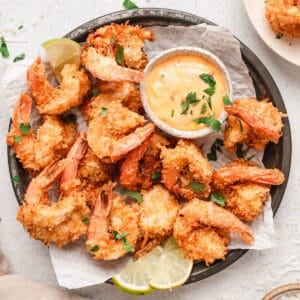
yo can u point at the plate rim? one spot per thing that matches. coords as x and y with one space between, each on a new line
248 56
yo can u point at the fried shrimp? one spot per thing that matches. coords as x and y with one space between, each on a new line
113 228
245 187
52 141
158 212
284 16
117 132
184 167
202 230
57 100
123 92
254 123
131 38
57 222
140 166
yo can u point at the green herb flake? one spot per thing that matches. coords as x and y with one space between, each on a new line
25 128
227 101
127 246
95 92
95 248
113 39
172 113
216 146
279 36
19 57
156 175
3 48
184 107
132 194
120 55
162 76
218 198
191 98
20 27
85 219
241 125
128 4
210 121
209 102
197 187
203 109
103 112
240 152
122 236
209 79
16 179
17 138
210 91
70 118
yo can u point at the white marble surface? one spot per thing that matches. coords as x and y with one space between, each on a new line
256 272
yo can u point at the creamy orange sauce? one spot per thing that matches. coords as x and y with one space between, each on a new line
171 80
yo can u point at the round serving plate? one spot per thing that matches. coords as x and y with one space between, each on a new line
276 156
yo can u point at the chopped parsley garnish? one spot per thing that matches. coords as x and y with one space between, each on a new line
17 138
103 112
25 129
95 92
216 146
3 48
172 113
70 118
227 101
128 4
210 121
279 36
240 152
218 198
197 187
113 39
122 236
95 248
156 175
16 179
85 219
209 102
120 55
207 78
203 109
132 194
241 125
19 57
184 107
20 27
190 99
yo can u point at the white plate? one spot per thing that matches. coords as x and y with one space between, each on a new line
288 48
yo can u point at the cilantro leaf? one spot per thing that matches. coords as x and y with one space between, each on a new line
16 179
120 55
103 112
85 219
197 187
17 138
127 246
184 107
218 198
156 175
19 57
3 48
210 121
227 101
207 78
209 102
132 194
122 236
203 109
216 125
128 4
25 128
95 248
210 91
191 98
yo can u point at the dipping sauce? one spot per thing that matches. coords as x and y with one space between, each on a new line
171 81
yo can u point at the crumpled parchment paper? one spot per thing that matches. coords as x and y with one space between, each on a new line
73 266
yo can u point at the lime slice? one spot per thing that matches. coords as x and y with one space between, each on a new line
61 51
162 268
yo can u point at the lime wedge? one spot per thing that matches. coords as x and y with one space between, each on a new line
61 51
161 268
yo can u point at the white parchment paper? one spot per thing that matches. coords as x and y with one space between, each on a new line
74 267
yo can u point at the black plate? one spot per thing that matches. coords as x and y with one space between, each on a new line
276 156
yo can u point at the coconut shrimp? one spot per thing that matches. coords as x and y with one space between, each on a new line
51 143
245 187
131 38
254 123
57 222
202 230
142 163
57 100
123 92
284 16
158 212
184 167
113 228
116 132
